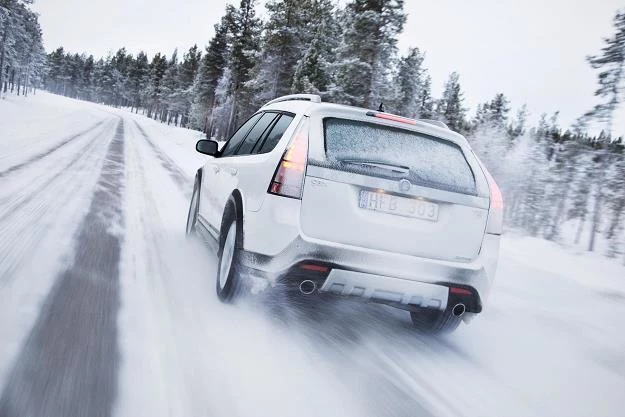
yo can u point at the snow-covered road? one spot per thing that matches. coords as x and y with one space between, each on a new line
106 309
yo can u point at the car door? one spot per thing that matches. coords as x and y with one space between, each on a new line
213 186
257 169
241 163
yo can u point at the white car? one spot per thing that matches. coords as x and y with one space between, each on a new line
337 199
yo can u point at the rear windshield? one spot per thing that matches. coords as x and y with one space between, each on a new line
383 151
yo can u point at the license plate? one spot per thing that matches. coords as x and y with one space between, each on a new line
399 206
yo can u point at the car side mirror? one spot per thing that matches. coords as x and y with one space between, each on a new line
207 147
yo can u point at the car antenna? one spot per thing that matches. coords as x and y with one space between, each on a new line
381 108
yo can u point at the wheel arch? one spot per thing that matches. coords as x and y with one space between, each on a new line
198 181
234 208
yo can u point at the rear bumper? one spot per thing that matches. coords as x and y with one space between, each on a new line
374 274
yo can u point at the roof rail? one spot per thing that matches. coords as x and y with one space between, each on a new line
313 98
435 123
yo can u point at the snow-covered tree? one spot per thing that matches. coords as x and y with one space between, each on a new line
450 106
410 84
313 72
367 51
138 79
285 35
244 30
211 70
186 76
170 89
611 77
426 102
518 126
21 50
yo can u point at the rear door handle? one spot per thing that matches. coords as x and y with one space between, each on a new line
233 171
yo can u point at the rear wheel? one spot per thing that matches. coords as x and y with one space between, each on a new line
435 321
228 278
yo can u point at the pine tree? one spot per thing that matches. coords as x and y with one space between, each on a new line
410 83
497 111
186 76
285 36
367 51
210 71
244 30
611 77
21 50
313 72
517 127
426 102
615 196
154 94
138 78
169 89
450 106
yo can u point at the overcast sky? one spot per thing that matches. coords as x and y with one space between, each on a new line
532 50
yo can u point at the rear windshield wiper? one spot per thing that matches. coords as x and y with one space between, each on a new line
400 169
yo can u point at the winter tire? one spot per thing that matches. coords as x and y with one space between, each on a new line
228 278
194 207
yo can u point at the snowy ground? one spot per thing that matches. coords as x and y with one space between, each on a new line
106 308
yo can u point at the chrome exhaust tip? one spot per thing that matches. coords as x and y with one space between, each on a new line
459 309
307 287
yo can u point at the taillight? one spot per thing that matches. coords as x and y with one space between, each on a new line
288 181
495 213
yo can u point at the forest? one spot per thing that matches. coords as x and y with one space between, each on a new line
559 183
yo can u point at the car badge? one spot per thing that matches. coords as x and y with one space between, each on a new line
404 185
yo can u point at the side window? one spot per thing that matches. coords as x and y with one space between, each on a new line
276 133
232 145
255 134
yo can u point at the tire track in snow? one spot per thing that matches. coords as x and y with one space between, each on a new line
172 168
68 364
16 203
49 151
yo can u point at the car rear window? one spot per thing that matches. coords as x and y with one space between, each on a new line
424 160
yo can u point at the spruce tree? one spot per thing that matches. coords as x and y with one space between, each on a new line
158 66
410 83
186 76
244 32
518 126
313 72
285 36
138 78
169 90
450 107
210 71
426 102
367 51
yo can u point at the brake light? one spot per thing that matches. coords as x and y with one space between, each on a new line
460 291
315 268
288 180
495 214
392 117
